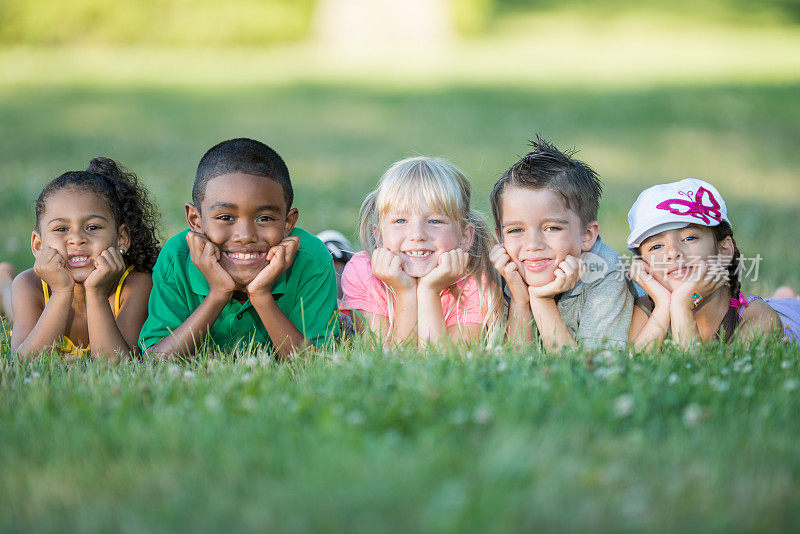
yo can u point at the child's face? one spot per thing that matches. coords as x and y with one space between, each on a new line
421 237
244 215
538 232
79 225
672 254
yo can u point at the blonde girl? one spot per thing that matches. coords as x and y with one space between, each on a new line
425 275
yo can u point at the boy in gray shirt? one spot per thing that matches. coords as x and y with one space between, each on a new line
562 279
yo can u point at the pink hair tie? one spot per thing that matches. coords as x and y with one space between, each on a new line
740 302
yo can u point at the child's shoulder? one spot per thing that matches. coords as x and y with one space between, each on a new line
28 279
312 255
757 309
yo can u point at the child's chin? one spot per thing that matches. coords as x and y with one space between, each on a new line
539 279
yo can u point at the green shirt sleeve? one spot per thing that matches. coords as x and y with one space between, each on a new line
315 312
169 304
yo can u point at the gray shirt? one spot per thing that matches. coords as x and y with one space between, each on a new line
598 310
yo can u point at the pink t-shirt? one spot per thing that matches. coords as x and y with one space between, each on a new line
362 291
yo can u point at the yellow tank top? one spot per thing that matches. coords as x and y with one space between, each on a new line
66 346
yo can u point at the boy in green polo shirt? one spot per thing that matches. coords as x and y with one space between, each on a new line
241 271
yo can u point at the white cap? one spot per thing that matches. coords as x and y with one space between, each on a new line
671 206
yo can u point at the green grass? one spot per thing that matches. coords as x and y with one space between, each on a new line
363 441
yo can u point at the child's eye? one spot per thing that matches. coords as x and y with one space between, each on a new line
266 219
60 229
400 221
436 221
552 228
92 227
226 218
513 230
689 238
654 247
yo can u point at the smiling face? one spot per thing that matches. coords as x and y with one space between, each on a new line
245 216
672 254
79 225
538 232
421 237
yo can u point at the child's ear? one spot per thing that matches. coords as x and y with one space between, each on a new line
725 249
36 242
590 233
291 220
467 235
123 238
193 218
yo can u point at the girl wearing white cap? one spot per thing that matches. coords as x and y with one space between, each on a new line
690 267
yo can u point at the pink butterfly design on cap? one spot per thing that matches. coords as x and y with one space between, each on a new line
704 207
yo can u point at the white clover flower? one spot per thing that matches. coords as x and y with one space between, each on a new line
607 357
623 406
717 384
35 375
248 404
246 377
212 403
791 384
693 414
251 362
482 415
785 364
502 366
174 371
355 418
188 374
607 372
672 379
337 358
27 380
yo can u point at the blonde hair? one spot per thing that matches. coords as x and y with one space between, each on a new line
413 182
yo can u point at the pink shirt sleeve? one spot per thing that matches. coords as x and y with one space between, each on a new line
468 308
360 289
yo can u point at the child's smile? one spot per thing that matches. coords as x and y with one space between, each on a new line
245 216
539 232
79 225
673 254
421 237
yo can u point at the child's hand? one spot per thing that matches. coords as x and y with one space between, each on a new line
51 267
279 258
205 255
640 273
450 268
567 275
387 267
509 271
108 267
704 278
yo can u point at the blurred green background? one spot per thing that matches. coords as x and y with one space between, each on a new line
648 92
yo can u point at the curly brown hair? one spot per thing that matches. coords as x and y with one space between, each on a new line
127 199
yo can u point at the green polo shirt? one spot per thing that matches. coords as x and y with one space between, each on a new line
306 293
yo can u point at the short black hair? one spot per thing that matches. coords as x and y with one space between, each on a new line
546 167
244 155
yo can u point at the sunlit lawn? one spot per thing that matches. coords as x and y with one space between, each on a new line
362 441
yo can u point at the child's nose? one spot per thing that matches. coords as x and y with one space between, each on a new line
535 241
417 232
75 237
245 232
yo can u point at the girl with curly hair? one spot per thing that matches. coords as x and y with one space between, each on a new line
95 245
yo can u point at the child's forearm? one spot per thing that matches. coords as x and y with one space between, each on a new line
185 340
285 336
683 325
655 329
520 322
404 325
430 318
51 325
104 334
552 329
